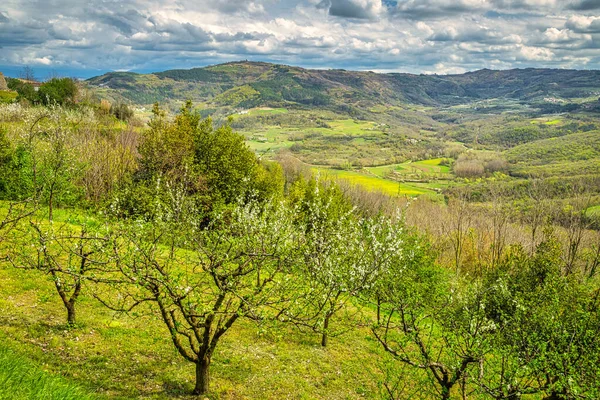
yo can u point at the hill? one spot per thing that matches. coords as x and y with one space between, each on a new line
254 84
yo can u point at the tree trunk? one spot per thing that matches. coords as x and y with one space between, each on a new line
445 393
554 396
202 376
71 320
50 203
325 337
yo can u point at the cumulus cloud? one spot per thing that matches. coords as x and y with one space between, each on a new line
580 23
434 36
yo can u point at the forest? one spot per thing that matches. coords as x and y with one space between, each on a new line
159 254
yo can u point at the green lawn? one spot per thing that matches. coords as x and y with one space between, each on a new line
554 122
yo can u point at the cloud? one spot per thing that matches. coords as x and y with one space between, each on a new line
524 4
359 9
424 9
583 24
585 5
529 53
387 35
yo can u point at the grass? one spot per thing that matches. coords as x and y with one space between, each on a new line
22 379
546 121
267 111
351 127
424 169
131 356
7 96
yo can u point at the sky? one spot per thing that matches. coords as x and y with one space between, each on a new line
86 38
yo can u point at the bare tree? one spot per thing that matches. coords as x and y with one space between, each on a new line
458 226
26 73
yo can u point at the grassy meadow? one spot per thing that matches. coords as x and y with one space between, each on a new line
114 355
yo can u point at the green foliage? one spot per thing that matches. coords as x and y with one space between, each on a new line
25 90
121 111
221 156
207 166
543 342
575 147
61 91
16 181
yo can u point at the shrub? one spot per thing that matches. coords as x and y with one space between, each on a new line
58 91
121 111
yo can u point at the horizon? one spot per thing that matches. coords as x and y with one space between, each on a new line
43 74
84 39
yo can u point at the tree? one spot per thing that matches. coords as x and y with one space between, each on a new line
545 340
222 157
121 111
330 256
27 73
427 323
214 164
25 90
203 280
458 226
66 256
61 91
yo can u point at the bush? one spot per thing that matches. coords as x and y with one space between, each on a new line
24 90
121 111
58 91
496 165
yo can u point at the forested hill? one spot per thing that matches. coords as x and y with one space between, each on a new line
252 84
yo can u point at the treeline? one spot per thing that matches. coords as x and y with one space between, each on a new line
194 226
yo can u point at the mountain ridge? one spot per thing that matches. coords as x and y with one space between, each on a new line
246 84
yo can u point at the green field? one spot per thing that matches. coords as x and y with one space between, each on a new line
430 167
267 111
374 183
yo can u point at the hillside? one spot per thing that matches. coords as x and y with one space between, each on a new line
252 84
